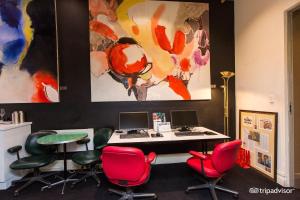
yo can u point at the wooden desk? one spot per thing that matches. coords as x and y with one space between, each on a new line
167 137
167 140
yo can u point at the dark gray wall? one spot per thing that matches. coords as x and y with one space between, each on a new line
76 110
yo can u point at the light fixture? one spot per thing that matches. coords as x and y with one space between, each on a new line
226 75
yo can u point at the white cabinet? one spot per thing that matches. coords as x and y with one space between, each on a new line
11 135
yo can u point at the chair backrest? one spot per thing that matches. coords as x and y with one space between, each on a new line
101 137
123 163
33 148
225 154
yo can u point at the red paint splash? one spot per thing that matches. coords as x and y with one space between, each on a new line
119 60
102 29
178 43
40 77
164 43
185 65
154 20
135 29
178 87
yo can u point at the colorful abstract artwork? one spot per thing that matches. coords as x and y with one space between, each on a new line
149 50
28 52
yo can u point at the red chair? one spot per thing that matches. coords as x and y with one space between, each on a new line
127 167
213 167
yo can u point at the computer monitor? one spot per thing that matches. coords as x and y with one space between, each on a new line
133 121
184 119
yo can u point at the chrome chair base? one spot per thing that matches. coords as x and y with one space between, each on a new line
30 180
130 195
62 181
91 173
212 186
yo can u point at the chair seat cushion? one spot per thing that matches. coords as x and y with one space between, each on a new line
31 162
144 178
86 157
209 169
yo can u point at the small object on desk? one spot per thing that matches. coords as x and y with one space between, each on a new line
134 135
2 114
209 133
188 133
163 127
21 116
157 135
119 131
15 117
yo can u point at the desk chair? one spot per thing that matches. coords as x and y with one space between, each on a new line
214 167
127 167
89 158
40 157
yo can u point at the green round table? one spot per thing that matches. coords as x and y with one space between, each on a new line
62 138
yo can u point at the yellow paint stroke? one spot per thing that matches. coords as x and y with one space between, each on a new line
154 20
27 30
162 61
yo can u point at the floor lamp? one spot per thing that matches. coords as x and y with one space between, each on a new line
226 75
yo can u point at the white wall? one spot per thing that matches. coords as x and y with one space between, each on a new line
261 66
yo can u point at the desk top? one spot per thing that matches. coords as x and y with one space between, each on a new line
167 137
61 138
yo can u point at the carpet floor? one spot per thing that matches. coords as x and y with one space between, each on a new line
167 181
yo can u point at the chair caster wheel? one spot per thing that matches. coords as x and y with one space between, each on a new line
155 198
16 194
236 196
186 191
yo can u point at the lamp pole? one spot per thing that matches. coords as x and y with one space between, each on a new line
226 75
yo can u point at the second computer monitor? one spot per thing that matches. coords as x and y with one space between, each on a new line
184 119
133 120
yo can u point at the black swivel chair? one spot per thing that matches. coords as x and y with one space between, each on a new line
40 157
90 158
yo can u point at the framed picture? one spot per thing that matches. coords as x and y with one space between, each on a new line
29 70
258 132
144 51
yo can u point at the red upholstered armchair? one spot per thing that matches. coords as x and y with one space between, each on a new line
213 167
127 167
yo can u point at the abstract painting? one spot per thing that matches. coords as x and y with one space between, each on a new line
28 52
149 50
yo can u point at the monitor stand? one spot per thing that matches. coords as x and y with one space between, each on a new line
184 128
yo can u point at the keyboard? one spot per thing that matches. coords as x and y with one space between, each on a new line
194 133
188 133
134 135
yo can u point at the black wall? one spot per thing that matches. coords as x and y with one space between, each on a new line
76 110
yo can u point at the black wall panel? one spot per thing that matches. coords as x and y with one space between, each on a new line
76 110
